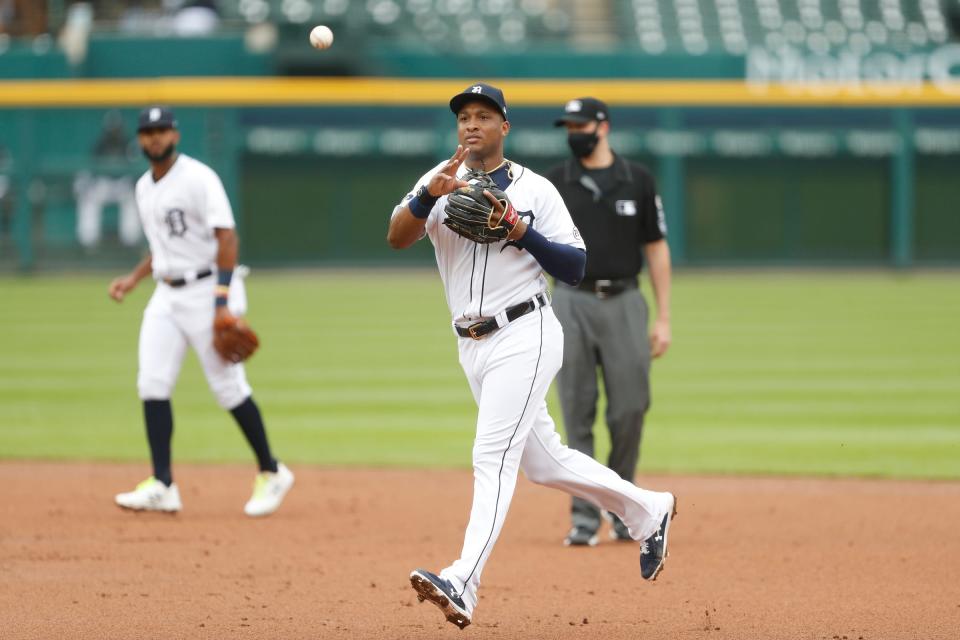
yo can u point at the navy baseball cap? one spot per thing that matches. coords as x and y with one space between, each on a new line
480 91
583 110
156 117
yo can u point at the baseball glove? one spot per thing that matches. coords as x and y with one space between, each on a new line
233 338
471 214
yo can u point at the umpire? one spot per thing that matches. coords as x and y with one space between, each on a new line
614 204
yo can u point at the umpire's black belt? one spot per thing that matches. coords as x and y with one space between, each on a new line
188 278
607 288
488 326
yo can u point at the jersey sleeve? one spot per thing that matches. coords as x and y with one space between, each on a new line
653 223
219 214
552 218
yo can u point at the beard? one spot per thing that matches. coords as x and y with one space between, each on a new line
160 157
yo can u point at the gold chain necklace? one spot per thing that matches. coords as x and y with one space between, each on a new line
509 168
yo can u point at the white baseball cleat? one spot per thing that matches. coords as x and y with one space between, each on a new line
269 488
151 495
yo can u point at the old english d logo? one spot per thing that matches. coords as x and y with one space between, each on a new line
176 222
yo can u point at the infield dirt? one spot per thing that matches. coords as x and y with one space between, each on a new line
760 558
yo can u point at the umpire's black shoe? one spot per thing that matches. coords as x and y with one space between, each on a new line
440 592
580 536
618 530
653 551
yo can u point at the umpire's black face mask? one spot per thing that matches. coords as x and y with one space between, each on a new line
582 143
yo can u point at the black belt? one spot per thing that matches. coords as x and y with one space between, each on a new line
488 326
179 282
607 288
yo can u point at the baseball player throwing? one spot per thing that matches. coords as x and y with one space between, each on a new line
496 227
189 224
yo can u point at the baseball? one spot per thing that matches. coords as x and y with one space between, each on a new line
321 37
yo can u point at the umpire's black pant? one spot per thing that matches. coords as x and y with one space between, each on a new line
603 337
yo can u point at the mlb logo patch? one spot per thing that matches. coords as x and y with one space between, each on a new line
626 207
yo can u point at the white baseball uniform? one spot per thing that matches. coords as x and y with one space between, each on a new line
179 214
510 371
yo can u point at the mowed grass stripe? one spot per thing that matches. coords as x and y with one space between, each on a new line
805 372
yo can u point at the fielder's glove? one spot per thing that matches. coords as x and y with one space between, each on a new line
471 214
233 338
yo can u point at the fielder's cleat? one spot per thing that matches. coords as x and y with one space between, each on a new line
580 536
653 551
440 592
269 488
151 495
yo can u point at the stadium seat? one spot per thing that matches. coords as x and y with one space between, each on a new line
817 27
691 27
469 25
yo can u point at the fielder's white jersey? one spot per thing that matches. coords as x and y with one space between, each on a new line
179 214
483 280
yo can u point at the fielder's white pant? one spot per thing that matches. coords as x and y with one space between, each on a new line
176 318
509 373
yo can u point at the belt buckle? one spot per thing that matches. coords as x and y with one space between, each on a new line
602 284
472 330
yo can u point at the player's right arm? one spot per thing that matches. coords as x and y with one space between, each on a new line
408 221
123 285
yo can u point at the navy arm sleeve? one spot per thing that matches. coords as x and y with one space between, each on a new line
563 262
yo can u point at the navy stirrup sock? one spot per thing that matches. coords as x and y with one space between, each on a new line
158 415
247 415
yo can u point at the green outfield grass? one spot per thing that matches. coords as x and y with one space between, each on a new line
812 372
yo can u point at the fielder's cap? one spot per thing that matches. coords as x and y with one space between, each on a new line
480 91
583 110
156 117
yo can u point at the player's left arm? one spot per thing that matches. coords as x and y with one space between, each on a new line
219 215
233 338
657 256
227 250
563 261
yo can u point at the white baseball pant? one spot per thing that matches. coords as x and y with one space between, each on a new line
176 318
509 373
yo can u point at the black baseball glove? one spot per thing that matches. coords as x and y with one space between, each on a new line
471 214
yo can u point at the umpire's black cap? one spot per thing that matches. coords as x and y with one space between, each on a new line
480 91
583 110
156 117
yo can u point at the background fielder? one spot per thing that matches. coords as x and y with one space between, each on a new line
189 224
510 348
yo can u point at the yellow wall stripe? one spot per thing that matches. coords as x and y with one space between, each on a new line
422 92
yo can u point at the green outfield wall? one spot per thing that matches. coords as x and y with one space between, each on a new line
749 174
